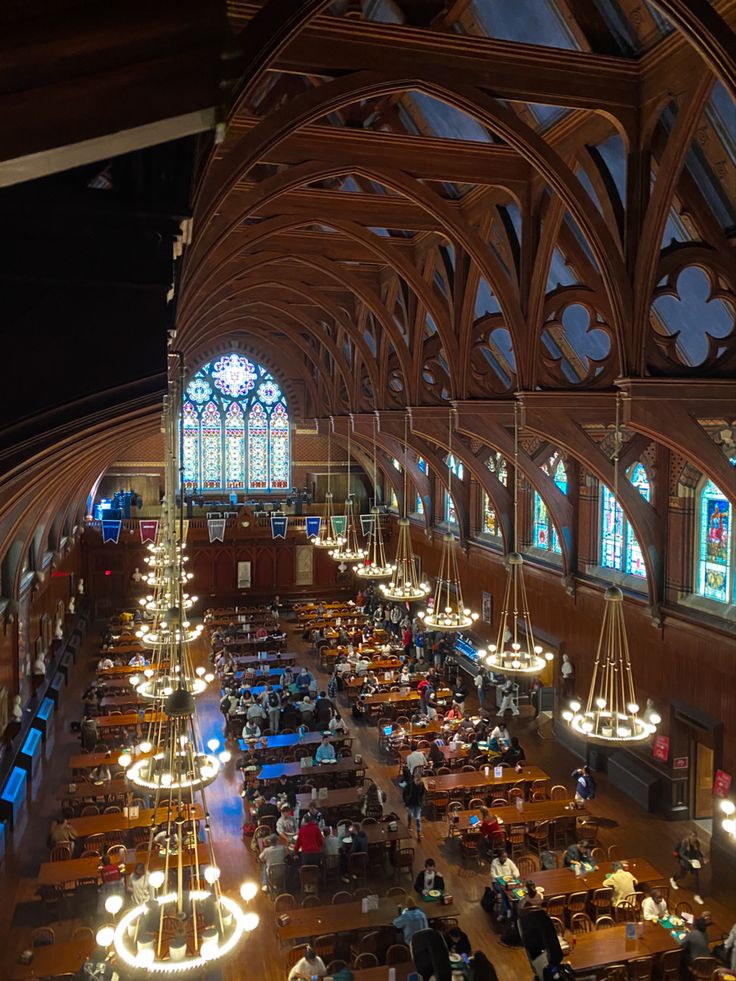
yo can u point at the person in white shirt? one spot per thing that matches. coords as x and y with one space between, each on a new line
501 735
503 868
104 664
138 885
286 824
273 854
415 758
362 666
654 906
309 966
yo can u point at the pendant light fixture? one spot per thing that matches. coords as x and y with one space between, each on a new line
327 537
448 610
187 924
348 549
404 587
515 651
374 566
611 713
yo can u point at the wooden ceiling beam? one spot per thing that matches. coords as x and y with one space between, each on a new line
332 46
371 210
426 158
331 246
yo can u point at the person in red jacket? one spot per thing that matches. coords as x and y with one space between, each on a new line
309 842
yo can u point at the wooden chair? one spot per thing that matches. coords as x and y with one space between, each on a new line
528 865
641 968
635 899
84 933
598 855
538 837
669 965
284 903
475 804
613 853
586 830
113 809
702 968
397 891
362 891
683 907
455 805
555 906
276 879
342 897
117 854
90 853
469 850
439 804
616 972
442 770
516 793
604 922
499 802
334 966
517 840
311 900
576 903
581 923
601 902
397 954
358 866
61 852
558 925
309 876
324 946
403 861
363 961
89 810
540 786
626 913
558 792
43 937
538 796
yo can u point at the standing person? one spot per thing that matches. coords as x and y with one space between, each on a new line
479 682
395 618
584 783
460 693
691 858
273 705
407 640
414 796
411 920
535 695
416 758
507 699
420 639
309 842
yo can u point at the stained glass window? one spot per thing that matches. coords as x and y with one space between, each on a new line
715 558
419 505
235 428
619 547
393 501
257 447
395 464
279 446
457 471
423 465
544 532
211 446
450 513
497 465
234 446
490 521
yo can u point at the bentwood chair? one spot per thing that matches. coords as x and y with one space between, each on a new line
641 968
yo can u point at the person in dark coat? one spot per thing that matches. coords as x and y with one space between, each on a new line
429 878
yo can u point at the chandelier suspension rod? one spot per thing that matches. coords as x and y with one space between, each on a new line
404 503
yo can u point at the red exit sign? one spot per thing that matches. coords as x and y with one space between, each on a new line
681 763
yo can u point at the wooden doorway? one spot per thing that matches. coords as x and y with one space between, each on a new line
703 771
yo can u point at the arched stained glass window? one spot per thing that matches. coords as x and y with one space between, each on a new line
619 547
457 471
279 446
235 428
235 446
393 501
497 465
490 520
424 467
715 559
450 513
211 446
544 532
419 505
257 447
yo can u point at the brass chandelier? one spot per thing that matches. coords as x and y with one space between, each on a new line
348 549
374 565
327 537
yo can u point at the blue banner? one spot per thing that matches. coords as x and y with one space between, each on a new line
111 530
313 526
278 526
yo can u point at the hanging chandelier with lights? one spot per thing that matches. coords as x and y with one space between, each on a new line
348 549
448 611
327 537
515 651
188 924
405 585
374 566
611 712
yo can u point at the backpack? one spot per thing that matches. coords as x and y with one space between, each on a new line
273 699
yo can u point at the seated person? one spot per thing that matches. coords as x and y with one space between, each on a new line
313 813
100 774
310 966
303 680
358 843
273 854
503 868
266 808
695 943
251 731
514 754
622 882
436 756
457 941
105 663
337 724
325 751
654 906
532 897
578 853
500 738
286 824
396 738
137 661
429 878
489 825
359 708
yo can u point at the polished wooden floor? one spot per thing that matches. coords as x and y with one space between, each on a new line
636 832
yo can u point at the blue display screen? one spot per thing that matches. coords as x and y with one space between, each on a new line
466 648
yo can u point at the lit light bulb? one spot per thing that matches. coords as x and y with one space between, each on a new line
587 726
537 649
200 671
250 921
729 826
575 705
549 656
145 956
105 936
600 702
728 807
224 756
567 715
209 678
125 759
248 890
212 744
156 878
113 904
212 874
633 708
655 718
145 746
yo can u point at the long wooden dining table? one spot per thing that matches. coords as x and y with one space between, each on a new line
346 767
97 824
129 719
289 741
342 797
347 917
74 869
55 960
91 791
600 948
461 781
563 882
543 810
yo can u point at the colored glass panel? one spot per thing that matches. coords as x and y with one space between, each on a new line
235 447
419 505
423 465
257 448
211 447
715 568
393 500
190 445
490 521
497 464
619 547
450 513
234 375
541 523
279 446
269 392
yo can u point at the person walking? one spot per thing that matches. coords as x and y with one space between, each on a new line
479 682
414 797
273 706
507 699
691 858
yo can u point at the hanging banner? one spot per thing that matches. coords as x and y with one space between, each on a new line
111 530
338 525
366 523
314 525
661 748
216 529
278 525
149 530
721 783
